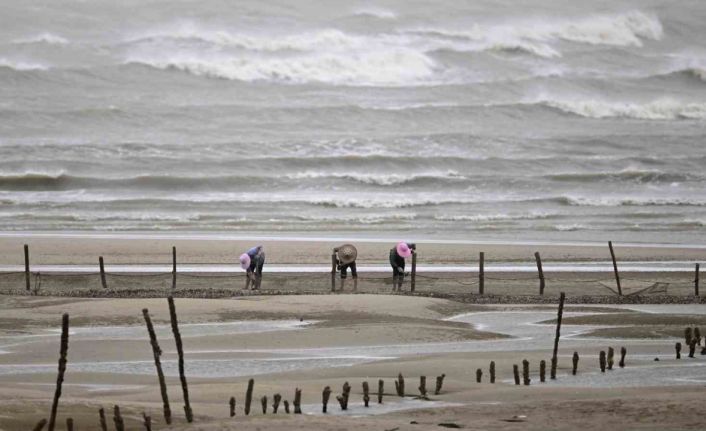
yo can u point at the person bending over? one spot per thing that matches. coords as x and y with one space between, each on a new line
345 258
252 262
398 254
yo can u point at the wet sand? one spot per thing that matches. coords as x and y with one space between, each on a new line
326 340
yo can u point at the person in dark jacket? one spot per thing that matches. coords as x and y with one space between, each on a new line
256 257
345 258
398 254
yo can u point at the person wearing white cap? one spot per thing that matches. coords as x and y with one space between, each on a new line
345 258
252 262
398 254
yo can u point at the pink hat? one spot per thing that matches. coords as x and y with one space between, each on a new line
404 250
245 261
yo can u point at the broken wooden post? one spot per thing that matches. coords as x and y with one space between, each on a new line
381 390
492 371
69 424
63 350
623 352
516 373
147 421
601 361
102 269
525 372
180 353
692 347
611 354
399 385
696 281
542 371
677 347
366 394
479 375
413 279
276 399
103 422
174 269
297 401
562 297
333 271
439 384
422 386
540 271
615 268
481 273
40 425
345 394
118 419
248 396
27 275
286 406
575 361
325 396
157 352
231 404
263 401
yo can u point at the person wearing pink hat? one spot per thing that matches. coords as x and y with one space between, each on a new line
252 262
398 254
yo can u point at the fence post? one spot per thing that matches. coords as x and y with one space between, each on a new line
27 267
333 271
562 297
157 352
481 273
615 268
540 271
413 281
173 267
63 350
696 281
180 353
102 268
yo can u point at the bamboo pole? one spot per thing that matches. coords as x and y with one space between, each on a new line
27 274
174 270
481 273
63 350
157 352
102 270
180 352
413 279
103 422
560 313
248 396
615 268
541 272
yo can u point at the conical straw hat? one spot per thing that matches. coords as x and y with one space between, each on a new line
347 253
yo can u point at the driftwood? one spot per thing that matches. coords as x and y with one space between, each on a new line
103 422
516 373
399 385
231 404
157 352
542 371
492 371
248 396
297 401
325 397
525 372
601 361
439 384
118 419
575 363
366 394
63 351
180 351
623 352
560 313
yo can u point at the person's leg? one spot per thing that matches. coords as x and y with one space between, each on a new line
248 276
260 265
344 275
401 278
354 274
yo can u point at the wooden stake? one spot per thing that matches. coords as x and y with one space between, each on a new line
422 386
263 401
677 347
540 271
413 279
492 371
276 399
516 373
560 313
69 424
180 352
63 350
399 385
40 425
157 352
27 276
525 372
575 363
103 422
542 371
439 384
381 390
615 268
611 354
333 272
481 273
231 404
248 396
297 401
102 269
286 406
479 375
623 352
147 421
343 398
366 394
118 419
601 361
325 396
174 271
696 281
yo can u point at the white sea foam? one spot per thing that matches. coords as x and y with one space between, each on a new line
379 179
663 109
21 65
45 37
374 11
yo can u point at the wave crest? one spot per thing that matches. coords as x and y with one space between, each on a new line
664 109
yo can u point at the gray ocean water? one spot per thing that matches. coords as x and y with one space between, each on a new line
506 120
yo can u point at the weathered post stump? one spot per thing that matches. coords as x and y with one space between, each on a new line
525 372
366 394
248 396
516 373
399 385
479 375
611 354
692 347
69 424
63 351
677 347
623 352
439 384
276 399
286 406
560 313
492 371
180 352
103 422
157 352
542 371
602 361
325 397
118 419
263 401
422 386
381 390
575 361
297 401
231 403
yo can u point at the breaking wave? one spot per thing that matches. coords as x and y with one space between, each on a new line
664 109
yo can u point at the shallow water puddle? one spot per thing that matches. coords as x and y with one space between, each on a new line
357 409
